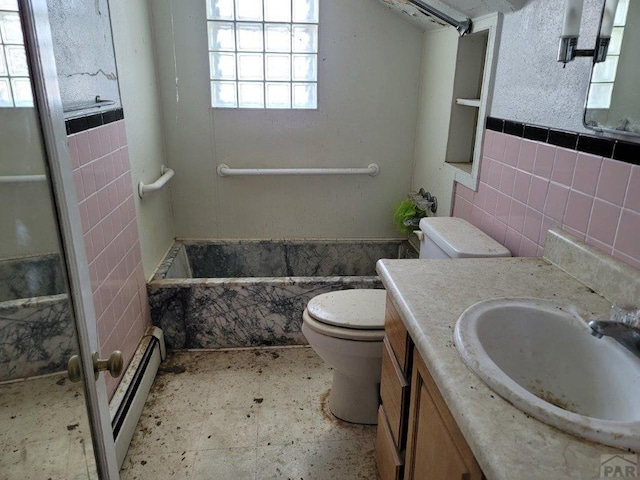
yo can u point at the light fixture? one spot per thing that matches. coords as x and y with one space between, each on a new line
571 30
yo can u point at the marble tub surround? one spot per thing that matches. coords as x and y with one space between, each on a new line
506 442
37 336
242 312
278 258
261 289
37 332
33 276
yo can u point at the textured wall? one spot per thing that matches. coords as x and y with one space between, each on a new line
531 86
369 73
528 187
84 50
105 194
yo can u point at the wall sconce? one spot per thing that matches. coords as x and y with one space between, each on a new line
571 30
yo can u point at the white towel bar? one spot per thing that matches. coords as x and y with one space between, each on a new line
225 171
166 175
22 178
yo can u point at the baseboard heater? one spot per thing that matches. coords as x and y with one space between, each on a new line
127 403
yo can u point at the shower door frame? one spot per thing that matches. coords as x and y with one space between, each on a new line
47 100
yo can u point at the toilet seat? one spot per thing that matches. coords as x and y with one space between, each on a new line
356 314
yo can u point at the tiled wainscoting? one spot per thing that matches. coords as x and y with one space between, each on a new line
528 186
107 210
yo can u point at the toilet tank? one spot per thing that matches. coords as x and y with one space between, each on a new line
451 237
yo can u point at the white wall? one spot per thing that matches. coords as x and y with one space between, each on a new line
26 209
133 42
369 71
438 73
531 86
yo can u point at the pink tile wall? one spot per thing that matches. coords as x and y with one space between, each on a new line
528 187
105 195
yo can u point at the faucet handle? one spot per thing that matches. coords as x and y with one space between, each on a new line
627 314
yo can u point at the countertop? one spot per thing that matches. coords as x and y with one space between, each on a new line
508 444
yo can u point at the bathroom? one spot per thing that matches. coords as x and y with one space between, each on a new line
85 248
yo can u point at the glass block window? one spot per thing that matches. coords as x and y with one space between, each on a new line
15 87
604 73
263 53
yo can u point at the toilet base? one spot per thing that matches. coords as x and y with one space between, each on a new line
353 401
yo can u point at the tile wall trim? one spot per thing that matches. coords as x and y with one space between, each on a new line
620 150
80 124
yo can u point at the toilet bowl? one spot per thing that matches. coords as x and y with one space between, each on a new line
346 328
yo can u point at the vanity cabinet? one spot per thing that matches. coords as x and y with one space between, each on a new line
436 448
417 437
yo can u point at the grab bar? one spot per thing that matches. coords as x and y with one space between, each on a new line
166 175
225 171
22 178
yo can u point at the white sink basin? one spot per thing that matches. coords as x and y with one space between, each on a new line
542 358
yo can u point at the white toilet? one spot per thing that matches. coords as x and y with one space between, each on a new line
346 328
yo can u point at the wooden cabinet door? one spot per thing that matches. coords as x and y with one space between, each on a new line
436 448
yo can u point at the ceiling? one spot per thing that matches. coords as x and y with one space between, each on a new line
458 9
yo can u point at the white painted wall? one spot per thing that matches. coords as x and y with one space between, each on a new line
438 73
26 209
531 86
133 42
369 75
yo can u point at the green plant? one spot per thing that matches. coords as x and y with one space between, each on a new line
406 211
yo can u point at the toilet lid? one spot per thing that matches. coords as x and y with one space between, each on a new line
359 308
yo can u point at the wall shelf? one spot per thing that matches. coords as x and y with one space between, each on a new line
464 167
471 94
468 102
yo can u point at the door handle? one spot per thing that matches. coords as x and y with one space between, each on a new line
113 365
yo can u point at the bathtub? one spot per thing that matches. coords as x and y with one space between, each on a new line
37 332
219 294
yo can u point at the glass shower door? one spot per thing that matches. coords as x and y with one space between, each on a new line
45 429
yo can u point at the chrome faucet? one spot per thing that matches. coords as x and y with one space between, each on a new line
626 335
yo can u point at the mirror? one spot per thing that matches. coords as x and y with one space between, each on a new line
613 101
44 426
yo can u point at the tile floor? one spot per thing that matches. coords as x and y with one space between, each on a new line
246 414
44 431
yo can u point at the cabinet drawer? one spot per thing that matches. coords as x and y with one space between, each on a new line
387 458
393 392
398 337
